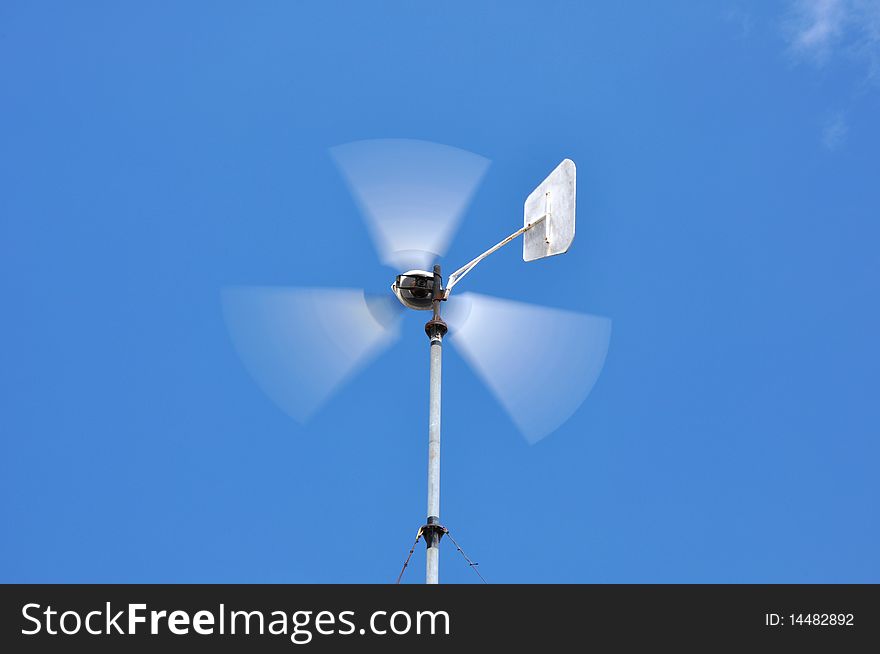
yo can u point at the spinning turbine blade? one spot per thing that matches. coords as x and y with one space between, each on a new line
540 363
412 194
301 344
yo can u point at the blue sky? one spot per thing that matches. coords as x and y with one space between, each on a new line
154 153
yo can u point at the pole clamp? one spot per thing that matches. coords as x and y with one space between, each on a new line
436 328
431 529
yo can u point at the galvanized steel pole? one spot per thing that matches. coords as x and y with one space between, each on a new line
435 329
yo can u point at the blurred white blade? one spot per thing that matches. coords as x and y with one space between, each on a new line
412 194
540 363
301 344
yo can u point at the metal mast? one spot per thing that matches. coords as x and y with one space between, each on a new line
433 530
552 206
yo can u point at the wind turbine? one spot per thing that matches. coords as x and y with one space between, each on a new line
297 344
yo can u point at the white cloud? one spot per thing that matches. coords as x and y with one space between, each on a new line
741 20
820 29
816 26
834 132
868 46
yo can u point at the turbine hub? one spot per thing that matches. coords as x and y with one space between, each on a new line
415 289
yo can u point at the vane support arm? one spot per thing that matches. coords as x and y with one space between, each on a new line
459 274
